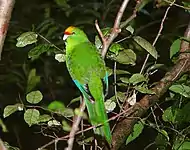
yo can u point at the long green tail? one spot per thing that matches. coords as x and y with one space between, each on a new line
98 116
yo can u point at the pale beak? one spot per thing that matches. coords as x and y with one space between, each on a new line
65 36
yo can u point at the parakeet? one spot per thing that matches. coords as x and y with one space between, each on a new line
88 71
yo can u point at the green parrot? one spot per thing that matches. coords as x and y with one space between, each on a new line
88 71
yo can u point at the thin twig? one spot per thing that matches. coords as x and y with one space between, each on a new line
158 34
75 127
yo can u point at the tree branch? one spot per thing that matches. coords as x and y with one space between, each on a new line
6 7
124 127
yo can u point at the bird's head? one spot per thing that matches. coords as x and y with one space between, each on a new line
75 33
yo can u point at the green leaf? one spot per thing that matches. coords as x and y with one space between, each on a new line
154 67
60 57
26 39
53 123
44 118
175 47
3 126
170 114
31 116
38 50
68 112
130 29
162 140
146 45
74 100
33 80
125 80
10 109
137 130
126 57
56 106
184 145
144 89
181 89
109 105
137 78
66 126
34 97
115 48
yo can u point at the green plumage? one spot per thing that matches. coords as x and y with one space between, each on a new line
88 71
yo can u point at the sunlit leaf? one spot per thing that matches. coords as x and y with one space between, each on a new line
60 57
31 116
26 39
109 105
146 45
115 48
132 100
10 109
137 78
137 130
56 106
181 89
34 97
175 47
53 123
130 29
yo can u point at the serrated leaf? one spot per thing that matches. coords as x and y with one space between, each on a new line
175 47
66 126
126 57
137 130
144 89
34 97
60 57
26 39
44 118
31 116
38 50
146 45
181 89
10 109
32 81
115 48
109 105
137 78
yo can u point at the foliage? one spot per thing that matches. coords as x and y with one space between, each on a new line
36 87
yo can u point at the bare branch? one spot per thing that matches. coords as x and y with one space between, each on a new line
116 29
125 126
75 126
6 7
